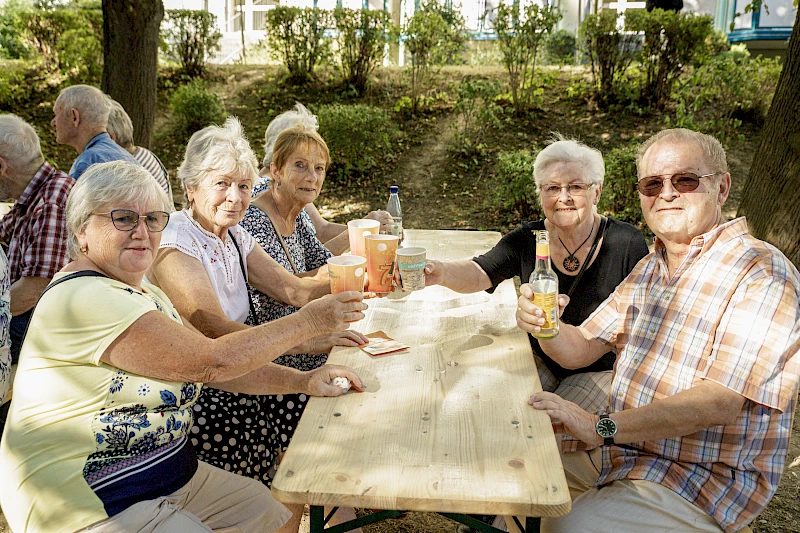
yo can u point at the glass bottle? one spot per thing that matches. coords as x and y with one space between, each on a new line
544 284
394 209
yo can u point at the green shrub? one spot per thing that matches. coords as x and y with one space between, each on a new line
559 48
359 137
519 35
431 41
724 91
513 189
362 36
610 52
14 88
477 110
672 41
190 36
194 108
295 37
12 42
619 198
80 53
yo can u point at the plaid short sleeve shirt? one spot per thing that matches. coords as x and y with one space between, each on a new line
36 227
729 314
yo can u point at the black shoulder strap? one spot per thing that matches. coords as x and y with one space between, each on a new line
244 273
78 274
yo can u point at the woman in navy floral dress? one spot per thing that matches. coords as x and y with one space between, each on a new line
299 164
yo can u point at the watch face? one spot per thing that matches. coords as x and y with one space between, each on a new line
606 427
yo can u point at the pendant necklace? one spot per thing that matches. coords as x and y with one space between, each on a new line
572 263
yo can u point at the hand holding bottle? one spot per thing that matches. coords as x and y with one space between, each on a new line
530 317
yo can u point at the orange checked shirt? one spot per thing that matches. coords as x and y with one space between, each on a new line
729 314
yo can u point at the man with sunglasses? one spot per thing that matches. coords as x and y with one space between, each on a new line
706 331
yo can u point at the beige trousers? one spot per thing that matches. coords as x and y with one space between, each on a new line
213 500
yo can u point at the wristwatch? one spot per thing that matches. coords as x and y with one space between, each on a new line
606 428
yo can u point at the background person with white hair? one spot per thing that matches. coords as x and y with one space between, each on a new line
35 229
590 254
332 235
80 119
120 129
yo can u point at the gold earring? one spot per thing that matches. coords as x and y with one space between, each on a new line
84 249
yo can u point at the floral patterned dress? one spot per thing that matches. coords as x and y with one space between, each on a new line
308 254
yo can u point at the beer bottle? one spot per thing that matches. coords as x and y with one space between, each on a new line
544 284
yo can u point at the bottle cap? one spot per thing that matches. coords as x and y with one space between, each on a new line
393 189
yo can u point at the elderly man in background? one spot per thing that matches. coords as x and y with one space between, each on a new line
707 332
120 129
80 119
35 229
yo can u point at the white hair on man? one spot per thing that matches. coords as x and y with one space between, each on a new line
19 143
712 149
561 149
120 126
222 150
298 115
91 103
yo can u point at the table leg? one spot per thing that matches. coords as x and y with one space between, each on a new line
318 520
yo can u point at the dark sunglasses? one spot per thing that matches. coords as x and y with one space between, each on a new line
683 182
126 220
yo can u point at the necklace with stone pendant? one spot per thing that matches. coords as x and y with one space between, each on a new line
572 263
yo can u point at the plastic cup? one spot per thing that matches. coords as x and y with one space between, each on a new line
381 251
357 229
346 273
411 263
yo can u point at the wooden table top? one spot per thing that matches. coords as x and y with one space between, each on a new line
444 426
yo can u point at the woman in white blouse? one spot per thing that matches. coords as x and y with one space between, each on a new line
204 264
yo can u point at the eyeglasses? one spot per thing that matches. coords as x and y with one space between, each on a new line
127 220
573 189
682 182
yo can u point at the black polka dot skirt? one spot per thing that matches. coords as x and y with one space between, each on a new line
233 431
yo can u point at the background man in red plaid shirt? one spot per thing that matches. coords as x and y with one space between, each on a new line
707 332
35 229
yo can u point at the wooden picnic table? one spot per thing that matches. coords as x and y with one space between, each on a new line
443 427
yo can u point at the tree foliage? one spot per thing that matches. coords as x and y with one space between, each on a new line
519 35
295 37
190 36
672 41
362 36
432 41
610 52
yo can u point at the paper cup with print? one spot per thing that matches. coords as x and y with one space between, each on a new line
357 229
381 251
346 273
411 263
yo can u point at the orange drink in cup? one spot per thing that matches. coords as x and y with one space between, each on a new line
346 273
381 250
357 229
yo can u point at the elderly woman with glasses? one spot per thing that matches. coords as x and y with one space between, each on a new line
98 434
590 254
205 264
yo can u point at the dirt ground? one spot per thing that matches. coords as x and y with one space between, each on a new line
440 193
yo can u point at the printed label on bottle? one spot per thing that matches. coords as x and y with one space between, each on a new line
542 250
549 306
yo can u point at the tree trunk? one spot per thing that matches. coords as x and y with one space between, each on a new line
131 60
771 195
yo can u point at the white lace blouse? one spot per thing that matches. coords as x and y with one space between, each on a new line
220 259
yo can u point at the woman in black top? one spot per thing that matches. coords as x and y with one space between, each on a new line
569 179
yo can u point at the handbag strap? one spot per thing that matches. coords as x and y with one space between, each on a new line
280 238
244 274
73 275
600 232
